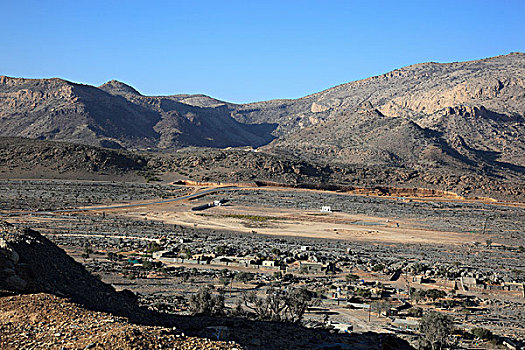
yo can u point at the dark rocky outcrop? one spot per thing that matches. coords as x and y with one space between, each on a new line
30 263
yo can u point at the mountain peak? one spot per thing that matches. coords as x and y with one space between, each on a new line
116 87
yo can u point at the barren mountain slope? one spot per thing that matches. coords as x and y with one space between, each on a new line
26 158
115 115
460 118
466 112
418 91
476 108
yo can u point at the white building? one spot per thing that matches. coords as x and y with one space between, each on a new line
326 209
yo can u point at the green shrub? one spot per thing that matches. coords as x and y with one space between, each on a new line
482 333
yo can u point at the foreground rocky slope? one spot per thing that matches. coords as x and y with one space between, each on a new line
63 317
46 321
30 263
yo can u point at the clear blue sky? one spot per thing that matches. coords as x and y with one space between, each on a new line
247 50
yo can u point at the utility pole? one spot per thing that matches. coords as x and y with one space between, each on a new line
406 280
485 225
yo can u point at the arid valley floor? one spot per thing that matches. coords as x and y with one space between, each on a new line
148 238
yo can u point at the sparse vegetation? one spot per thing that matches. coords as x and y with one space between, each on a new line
351 277
244 277
435 329
482 333
280 305
149 175
204 302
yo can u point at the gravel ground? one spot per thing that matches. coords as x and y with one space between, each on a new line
505 221
42 321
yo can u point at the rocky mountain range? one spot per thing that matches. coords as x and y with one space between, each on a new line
423 115
462 117
115 115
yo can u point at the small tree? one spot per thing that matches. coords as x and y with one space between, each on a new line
363 293
288 277
224 280
261 306
280 305
378 267
297 302
415 312
153 247
221 249
435 329
187 253
418 267
244 277
418 294
381 306
482 333
237 309
148 265
205 303
435 294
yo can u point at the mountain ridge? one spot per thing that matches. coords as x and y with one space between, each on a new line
451 117
55 109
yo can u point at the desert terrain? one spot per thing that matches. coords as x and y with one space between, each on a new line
384 213
430 243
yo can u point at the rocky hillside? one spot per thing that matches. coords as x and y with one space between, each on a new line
43 321
462 119
421 115
30 263
28 158
47 301
116 115
227 166
34 159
